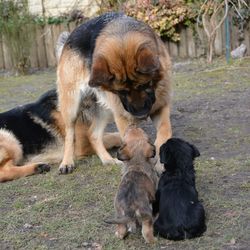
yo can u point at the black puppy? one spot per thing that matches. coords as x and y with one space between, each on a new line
181 215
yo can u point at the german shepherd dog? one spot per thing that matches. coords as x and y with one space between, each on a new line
35 133
136 192
128 67
181 214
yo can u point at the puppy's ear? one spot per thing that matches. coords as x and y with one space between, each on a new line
196 152
100 75
164 154
149 152
123 153
147 62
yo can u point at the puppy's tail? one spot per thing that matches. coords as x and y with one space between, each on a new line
60 43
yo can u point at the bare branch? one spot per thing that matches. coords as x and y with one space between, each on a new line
199 14
223 19
237 9
206 25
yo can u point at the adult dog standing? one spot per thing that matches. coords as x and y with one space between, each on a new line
129 68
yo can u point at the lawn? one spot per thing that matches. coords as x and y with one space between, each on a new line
211 109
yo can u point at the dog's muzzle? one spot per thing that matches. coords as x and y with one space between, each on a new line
141 112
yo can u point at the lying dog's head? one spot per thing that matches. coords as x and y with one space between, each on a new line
177 152
136 145
129 68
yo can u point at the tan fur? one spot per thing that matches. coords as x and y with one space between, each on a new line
9 171
119 55
10 156
140 179
10 147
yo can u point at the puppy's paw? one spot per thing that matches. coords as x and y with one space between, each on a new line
120 235
42 168
66 169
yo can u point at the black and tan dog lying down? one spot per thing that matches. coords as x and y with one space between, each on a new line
33 135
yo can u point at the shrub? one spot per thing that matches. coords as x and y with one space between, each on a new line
164 16
17 27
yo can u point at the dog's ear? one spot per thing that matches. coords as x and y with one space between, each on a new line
164 154
123 153
196 152
100 75
149 152
147 62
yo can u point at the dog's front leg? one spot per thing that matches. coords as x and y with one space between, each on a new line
96 137
69 105
161 120
122 123
10 172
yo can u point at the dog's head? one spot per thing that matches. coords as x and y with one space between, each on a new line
136 145
130 69
177 151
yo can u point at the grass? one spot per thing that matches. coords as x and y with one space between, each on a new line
53 211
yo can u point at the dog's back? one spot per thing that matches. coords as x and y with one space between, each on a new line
133 203
135 194
181 215
83 38
31 123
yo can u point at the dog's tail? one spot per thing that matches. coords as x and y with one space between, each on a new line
140 215
60 43
118 220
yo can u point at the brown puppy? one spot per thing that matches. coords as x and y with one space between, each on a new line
127 65
133 201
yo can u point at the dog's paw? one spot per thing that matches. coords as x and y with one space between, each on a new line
159 167
112 161
42 168
120 235
66 169
118 162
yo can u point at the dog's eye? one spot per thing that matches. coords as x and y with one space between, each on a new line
148 90
145 87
